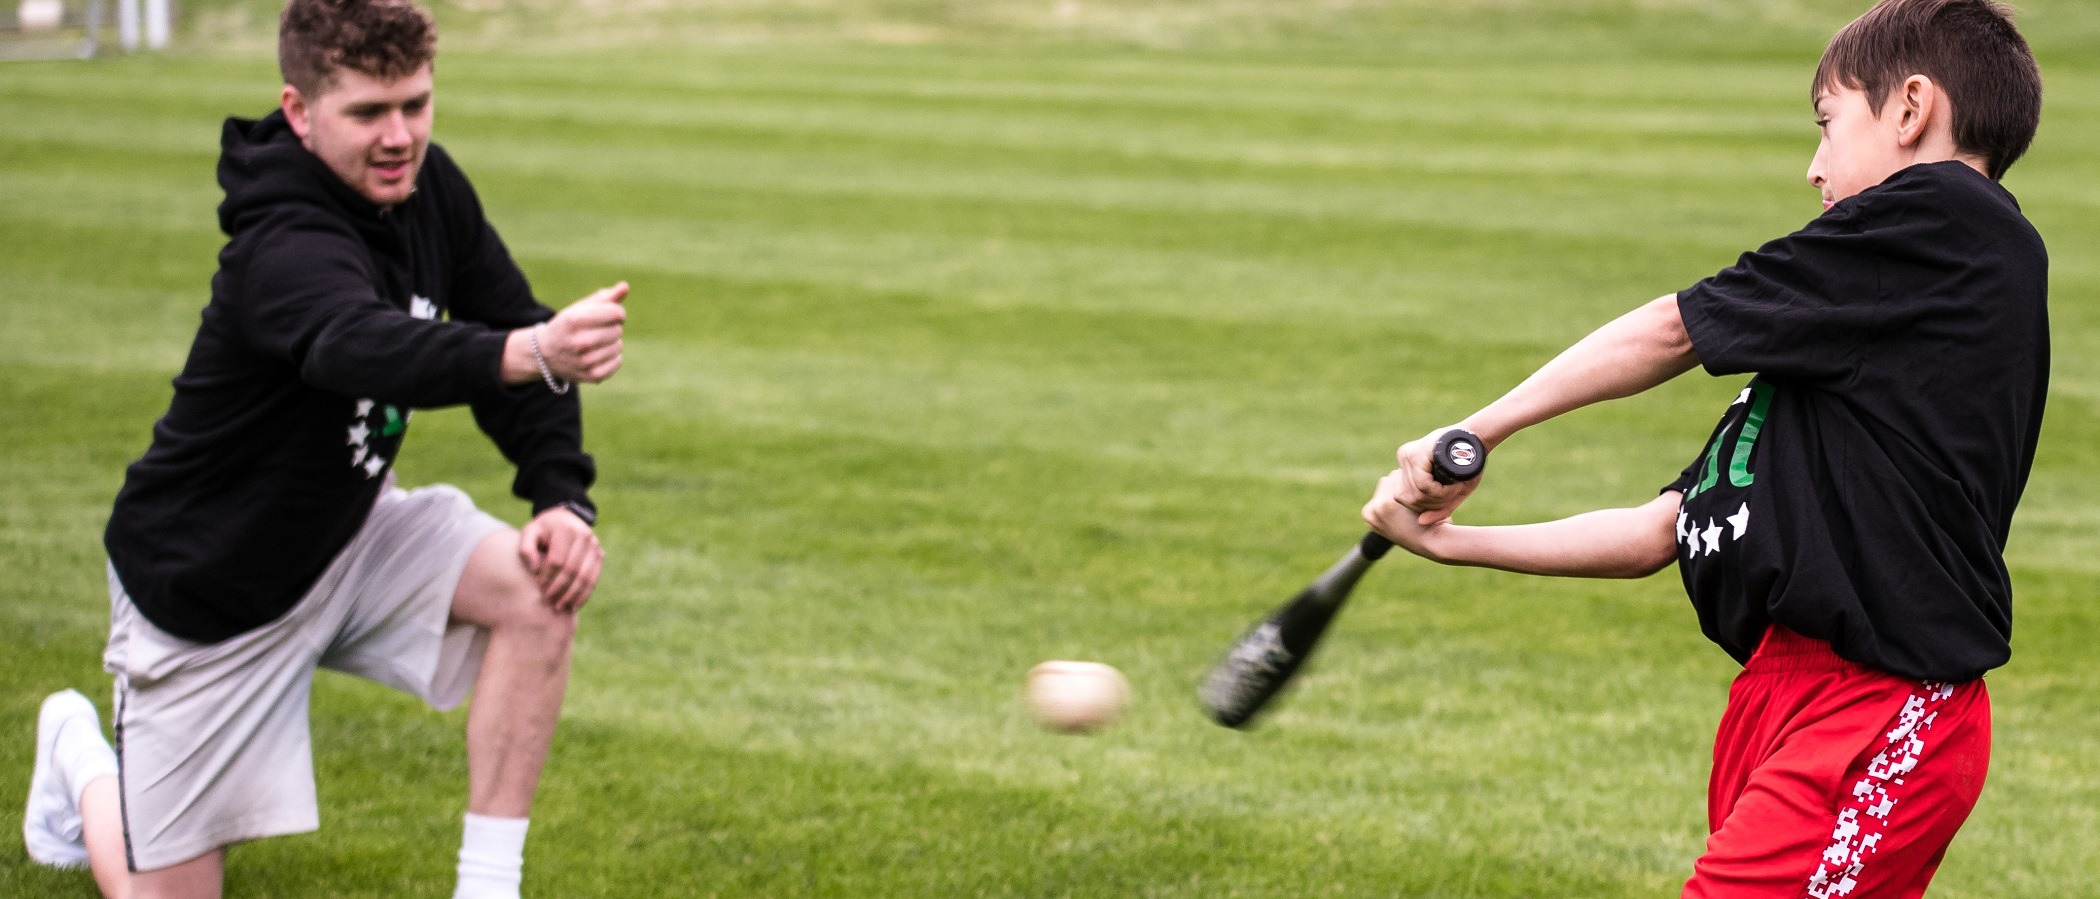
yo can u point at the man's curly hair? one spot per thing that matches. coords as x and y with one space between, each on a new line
384 39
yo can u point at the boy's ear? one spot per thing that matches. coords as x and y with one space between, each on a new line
1918 103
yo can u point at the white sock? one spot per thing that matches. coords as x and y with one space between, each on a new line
491 857
82 757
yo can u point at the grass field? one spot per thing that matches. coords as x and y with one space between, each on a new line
963 341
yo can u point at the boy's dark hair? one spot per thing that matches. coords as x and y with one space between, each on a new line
381 38
1967 47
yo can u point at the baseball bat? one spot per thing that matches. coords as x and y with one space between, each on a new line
1258 664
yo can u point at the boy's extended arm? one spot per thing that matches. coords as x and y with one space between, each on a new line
1630 354
1617 543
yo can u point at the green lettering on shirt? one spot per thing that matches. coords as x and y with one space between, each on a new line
1713 468
1739 472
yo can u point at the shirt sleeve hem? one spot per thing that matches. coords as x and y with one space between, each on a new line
1710 346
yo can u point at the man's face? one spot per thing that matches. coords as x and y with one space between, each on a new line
371 132
1860 147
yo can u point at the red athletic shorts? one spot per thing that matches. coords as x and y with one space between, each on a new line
1833 779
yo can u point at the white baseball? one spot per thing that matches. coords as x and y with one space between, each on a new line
1076 697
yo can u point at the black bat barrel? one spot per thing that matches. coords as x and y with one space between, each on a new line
1258 664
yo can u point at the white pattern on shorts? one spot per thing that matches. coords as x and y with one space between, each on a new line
1865 815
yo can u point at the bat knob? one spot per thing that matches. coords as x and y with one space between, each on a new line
1459 456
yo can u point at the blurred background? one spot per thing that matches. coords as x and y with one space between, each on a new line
971 334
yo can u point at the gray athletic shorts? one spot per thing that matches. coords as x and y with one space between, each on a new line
212 738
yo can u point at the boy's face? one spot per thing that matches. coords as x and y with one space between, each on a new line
371 132
1860 147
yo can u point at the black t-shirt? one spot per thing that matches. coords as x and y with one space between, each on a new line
1861 487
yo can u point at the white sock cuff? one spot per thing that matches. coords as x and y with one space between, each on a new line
491 857
500 833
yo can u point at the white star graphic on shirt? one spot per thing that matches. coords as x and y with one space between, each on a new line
1742 397
374 465
1741 520
364 408
1683 518
1713 537
358 434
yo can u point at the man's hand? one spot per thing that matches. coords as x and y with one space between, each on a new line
1417 490
581 343
562 553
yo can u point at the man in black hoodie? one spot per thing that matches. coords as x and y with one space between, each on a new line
261 536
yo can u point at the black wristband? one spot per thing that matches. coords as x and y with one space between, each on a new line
581 510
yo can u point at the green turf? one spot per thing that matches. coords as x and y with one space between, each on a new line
967 336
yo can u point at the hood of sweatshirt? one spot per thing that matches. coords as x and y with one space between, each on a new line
263 168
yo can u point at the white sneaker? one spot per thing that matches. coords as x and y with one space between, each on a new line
51 825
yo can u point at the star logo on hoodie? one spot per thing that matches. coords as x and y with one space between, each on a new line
373 419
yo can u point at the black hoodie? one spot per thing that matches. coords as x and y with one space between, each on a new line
327 323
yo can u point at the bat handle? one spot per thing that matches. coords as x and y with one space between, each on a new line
1374 546
1459 456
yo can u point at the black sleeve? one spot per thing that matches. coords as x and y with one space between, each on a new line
542 434
307 298
1684 481
539 431
1802 308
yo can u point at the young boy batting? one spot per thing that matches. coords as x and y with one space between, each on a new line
261 537
1841 534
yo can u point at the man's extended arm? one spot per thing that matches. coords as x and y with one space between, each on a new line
582 343
534 419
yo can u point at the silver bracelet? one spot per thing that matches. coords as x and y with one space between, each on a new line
555 384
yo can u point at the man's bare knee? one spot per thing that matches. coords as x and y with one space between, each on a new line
495 586
497 592
538 621
522 613
525 610
202 877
